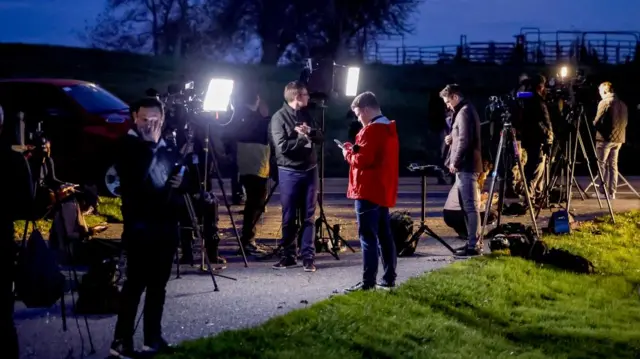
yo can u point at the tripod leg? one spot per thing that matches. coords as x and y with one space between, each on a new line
586 159
626 183
216 169
526 186
583 117
492 187
177 265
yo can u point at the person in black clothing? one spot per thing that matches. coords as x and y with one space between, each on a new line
10 161
295 137
537 135
254 152
150 188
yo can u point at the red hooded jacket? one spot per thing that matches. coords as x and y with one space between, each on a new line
373 161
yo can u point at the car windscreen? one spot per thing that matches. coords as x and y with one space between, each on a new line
95 99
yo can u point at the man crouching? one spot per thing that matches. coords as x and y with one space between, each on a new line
373 184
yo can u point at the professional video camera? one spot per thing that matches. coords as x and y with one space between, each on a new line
569 88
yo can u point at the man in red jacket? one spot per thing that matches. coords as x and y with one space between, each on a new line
373 184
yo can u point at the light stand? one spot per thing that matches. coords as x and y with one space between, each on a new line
322 223
423 170
217 99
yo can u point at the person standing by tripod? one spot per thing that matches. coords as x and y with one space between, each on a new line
295 136
465 162
150 209
611 126
537 135
373 184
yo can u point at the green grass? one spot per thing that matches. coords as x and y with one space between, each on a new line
108 212
489 307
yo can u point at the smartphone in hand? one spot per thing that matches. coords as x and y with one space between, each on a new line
340 144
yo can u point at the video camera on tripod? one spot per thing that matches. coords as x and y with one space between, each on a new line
572 89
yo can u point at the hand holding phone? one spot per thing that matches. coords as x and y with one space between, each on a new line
340 144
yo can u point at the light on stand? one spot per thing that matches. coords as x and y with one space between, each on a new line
564 71
353 75
218 95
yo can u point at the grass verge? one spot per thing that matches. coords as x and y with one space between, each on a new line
108 211
489 307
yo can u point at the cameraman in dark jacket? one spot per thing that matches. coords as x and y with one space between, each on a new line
150 185
537 135
611 127
11 162
295 136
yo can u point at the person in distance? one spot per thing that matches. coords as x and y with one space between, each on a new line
611 126
373 184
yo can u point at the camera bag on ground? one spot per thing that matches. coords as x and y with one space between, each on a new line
522 241
402 231
98 293
39 281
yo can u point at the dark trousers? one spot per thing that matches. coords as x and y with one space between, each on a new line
209 213
256 190
150 250
298 192
7 268
231 149
374 230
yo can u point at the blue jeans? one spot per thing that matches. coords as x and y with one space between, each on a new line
469 195
298 193
375 235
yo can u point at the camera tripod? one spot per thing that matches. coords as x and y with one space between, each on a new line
424 229
332 242
507 137
577 116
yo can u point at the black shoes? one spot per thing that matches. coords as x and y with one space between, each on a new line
308 265
364 287
158 346
122 349
470 251
285 263
254 249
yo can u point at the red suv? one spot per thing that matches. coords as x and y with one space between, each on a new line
81 120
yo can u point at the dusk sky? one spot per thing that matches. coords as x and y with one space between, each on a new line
440 22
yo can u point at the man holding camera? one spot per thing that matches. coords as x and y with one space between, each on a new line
537 135
151 203
465 162
373 184
295 138
611 126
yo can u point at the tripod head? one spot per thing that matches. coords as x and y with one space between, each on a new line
425 170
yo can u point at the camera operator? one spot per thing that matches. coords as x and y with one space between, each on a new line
151 201
9 162
465 161
537 135
295 137
373 184
611 126
253 159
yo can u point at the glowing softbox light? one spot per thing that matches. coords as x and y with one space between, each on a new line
353 75
218 95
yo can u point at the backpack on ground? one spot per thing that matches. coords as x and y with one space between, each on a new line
39 281
402 231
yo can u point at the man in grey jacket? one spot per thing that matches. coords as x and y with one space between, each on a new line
465 162
611 126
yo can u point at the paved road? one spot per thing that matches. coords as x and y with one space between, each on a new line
193 310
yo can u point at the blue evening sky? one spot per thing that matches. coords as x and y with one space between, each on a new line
438 22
